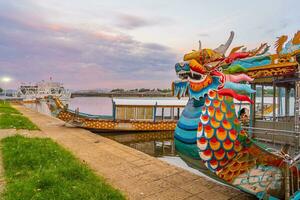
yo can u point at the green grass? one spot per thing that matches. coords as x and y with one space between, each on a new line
39 169
5 108
12 118
16 121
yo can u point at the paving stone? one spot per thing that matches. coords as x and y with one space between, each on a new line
152 188
177 179
213 195
170 194
195 186
195 197
141 162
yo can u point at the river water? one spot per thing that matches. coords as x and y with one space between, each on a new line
158 144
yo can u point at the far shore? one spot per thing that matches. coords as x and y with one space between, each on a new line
113 94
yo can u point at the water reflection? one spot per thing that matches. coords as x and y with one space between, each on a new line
157 144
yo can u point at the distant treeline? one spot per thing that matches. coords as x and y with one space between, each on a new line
141 90
119 92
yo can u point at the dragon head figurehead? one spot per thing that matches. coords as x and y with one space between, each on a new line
204 78
209 69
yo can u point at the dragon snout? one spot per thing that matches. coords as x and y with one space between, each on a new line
182 70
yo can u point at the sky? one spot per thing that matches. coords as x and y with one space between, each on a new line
89 44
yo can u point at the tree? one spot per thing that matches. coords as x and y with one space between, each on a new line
1 90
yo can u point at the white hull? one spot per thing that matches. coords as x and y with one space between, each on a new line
32 93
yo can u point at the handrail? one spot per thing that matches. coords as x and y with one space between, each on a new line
91 116
266 129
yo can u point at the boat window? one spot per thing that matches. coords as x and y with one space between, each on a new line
258 102
267 103
158 115
177 113
167 113
140 112
120 113
144 113
148 113
292 102
281 101
130 114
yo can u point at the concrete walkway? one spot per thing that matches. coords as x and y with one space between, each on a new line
137 175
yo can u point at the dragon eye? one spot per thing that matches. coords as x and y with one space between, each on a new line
220 69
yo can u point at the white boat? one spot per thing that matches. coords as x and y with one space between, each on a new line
33 92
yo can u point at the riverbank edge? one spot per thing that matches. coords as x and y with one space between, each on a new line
137 175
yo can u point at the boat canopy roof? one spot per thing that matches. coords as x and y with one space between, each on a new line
151 102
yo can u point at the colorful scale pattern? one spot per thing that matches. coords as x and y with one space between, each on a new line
114 125
217 135
230 154
254 170
185 134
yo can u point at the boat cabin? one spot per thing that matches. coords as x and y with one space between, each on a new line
147 109
277 96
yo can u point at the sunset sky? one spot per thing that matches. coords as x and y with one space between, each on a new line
88 44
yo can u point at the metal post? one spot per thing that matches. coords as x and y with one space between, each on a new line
172 113
113 109
297 105
252 108
125 113
287 101
297 102
262 101
274 100
154 112
297 96
279 113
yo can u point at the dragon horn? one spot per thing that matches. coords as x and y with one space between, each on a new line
257 50
224 47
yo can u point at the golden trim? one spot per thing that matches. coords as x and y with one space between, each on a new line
273 66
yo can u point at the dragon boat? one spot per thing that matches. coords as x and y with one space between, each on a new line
260 155
128 115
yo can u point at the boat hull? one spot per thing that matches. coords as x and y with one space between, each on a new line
110 125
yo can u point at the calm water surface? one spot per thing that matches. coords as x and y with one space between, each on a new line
92 105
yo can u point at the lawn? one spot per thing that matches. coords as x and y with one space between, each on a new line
11 118
7 109
39 169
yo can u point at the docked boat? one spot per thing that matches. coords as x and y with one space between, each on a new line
33 92
127 115
258 153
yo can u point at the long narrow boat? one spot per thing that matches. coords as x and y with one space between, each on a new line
128 115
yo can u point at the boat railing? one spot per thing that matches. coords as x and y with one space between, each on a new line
275 138
283 124
90 115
